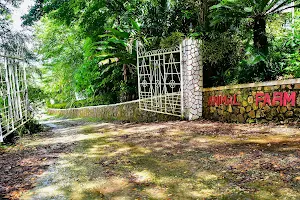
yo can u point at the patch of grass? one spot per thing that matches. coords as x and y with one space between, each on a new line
3 146
88 129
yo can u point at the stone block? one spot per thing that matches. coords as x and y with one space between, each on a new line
254 106
298 100
276 87
229 109
245 103
240 118
297 86
267 108
281 117
233 117
267 89
261 105
289 106
220 111
269 116
242 110
239 98
213 109
248 109
259 114
283 109
251 114
250 121
236 110
263 121
289 114
250 100
297 112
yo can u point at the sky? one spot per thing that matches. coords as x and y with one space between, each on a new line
19 12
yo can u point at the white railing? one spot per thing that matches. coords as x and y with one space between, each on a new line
13 94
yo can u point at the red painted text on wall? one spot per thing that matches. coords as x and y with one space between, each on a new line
279 98
219 100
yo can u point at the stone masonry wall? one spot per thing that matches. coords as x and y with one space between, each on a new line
128 112
276 101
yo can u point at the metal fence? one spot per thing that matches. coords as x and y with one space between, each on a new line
13 94
160 80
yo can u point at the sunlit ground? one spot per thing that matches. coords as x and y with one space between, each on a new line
173 160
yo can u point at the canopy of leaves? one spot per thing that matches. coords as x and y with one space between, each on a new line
88 47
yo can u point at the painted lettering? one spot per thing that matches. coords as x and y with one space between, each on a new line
229 101
289 98
267 99
224 100
210 99
277 97
259 98
235 103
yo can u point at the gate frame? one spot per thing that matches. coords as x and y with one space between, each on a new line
141 53
191 77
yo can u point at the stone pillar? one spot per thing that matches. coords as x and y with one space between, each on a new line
192 87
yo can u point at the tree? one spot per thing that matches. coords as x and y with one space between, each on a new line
5 21
61 54
233 11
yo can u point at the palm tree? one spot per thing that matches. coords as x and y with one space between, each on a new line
233 11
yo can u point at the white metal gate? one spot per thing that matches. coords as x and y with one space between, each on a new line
160 80
13 94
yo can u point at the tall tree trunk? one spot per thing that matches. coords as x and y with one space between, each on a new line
125 72
260 38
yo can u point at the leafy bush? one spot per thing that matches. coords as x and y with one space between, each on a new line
96 101
175 39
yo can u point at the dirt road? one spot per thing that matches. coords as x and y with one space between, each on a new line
172 160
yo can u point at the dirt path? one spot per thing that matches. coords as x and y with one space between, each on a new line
23 163
172 160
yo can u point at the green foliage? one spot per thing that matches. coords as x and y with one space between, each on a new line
88 47
221 53
36 94
293 67
233 11
96 101
229 13
175 39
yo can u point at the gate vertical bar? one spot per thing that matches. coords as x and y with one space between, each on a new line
26 94
18 92
138 71
14 90
1 132
165 82
10 114
181 82
151 82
